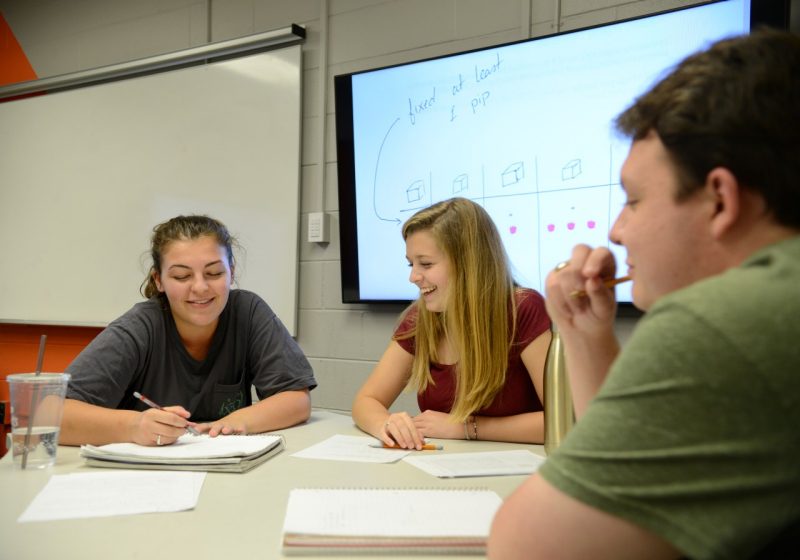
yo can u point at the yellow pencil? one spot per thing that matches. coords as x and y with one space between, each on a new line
425 447
610 283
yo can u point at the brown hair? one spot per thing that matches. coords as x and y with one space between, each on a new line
480 314
182 228
735 105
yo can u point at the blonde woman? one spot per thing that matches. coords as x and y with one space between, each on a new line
473 345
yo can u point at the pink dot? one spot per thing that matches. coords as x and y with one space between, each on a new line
551 227
571 226
590 224
513 229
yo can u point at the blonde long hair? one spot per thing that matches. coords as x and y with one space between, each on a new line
480 314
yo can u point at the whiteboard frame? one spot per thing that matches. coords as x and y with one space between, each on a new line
204 54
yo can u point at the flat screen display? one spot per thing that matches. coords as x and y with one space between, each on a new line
524 129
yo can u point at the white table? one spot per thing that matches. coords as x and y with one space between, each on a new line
238 516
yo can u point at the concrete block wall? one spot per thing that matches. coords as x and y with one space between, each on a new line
343 342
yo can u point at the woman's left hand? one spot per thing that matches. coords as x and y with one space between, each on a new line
438 425
223 426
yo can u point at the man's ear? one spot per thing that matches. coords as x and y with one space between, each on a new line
725 191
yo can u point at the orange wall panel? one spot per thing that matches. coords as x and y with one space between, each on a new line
19 350
19 346
15 66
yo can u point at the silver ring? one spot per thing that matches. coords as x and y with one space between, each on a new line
561 266
386 426
158 440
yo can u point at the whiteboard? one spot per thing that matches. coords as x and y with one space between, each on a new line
85 174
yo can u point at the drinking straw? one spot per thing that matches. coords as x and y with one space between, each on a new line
39 361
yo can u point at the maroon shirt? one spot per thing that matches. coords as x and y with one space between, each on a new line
518 394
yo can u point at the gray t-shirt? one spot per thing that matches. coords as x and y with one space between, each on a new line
142 351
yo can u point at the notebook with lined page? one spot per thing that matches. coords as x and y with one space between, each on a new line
388 521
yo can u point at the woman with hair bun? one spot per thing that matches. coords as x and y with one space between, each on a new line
195 345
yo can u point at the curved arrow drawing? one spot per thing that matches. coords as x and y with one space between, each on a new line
375 178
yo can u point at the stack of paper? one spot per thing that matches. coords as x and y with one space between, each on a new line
388 521
481 463
235 453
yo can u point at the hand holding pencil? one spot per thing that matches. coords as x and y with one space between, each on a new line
166 433
399 431
579 291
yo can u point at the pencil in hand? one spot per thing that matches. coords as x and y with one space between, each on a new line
151 404
610 283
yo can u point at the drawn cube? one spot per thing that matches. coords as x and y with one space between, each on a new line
460 183
416 191
571 170
513 174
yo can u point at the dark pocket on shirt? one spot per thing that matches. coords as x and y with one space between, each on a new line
229 398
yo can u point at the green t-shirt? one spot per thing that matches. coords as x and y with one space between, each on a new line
695 435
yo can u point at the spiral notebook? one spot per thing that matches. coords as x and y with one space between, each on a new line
233 453
388 521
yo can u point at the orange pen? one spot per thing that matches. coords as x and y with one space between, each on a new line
425 447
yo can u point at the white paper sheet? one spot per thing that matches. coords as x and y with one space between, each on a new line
484 463
351 448
103 494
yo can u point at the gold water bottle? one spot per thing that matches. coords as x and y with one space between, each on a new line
559 415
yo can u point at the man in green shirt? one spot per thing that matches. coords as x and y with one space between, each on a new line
687 441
